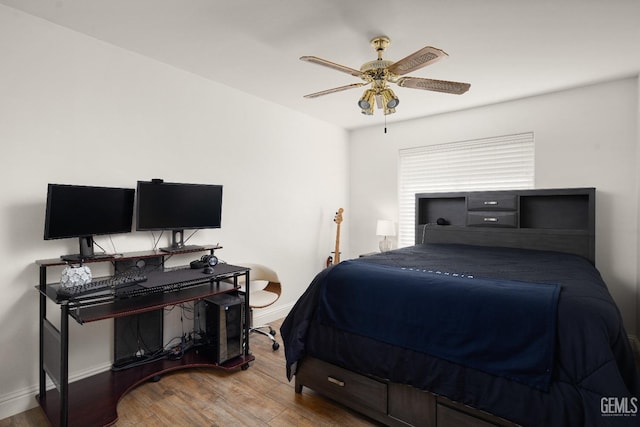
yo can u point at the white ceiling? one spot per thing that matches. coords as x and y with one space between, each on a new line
506 49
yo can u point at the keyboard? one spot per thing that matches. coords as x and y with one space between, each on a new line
121 281
165 281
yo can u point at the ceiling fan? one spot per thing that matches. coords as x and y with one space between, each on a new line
379 72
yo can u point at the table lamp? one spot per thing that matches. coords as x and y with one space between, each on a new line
385 228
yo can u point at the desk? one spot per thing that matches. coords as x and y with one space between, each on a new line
93 401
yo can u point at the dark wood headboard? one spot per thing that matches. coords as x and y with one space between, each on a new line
555 219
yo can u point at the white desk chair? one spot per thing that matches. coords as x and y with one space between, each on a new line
265 289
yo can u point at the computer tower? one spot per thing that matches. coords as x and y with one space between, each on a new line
224 326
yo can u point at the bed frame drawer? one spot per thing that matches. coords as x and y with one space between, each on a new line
492 219
392 404
349 388
488 202
449 417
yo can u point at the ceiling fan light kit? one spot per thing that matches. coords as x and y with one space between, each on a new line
380 72
389 99
367 101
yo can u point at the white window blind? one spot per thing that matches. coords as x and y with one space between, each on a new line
503 162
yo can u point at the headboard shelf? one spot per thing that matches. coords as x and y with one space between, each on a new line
555 211
551 219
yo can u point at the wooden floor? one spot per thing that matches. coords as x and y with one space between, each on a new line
259 396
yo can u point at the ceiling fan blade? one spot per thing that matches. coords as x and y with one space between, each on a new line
320 61
455 88
425 56
335 89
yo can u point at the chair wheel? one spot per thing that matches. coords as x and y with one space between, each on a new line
272 332
275 346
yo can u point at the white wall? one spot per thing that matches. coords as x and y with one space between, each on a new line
78 111
585 137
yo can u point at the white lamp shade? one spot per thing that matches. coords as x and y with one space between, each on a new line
385 227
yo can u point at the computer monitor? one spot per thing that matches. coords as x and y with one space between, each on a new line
85 211
177 207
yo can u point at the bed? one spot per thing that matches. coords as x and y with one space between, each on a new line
497 316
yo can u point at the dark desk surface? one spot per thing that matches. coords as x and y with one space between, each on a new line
105 306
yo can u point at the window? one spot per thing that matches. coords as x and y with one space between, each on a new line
503 162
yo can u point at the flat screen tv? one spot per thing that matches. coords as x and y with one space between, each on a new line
83 211
177 207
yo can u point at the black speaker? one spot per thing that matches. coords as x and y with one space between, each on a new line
442 221
224 321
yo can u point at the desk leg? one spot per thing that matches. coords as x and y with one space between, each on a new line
64 365
247 313
43 315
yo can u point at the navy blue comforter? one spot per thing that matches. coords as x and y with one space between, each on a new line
479 348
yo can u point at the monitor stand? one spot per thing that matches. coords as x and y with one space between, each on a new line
177 243
86 251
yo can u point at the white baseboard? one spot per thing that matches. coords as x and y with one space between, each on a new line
271 313
24 399
18 401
